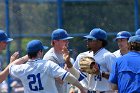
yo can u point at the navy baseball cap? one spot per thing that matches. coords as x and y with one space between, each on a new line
97 34
138 32
3 37
35 45
134 39
60 34
123 34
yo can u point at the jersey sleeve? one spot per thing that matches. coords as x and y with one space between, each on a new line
56 71
109 60
76 63
113 78
15 70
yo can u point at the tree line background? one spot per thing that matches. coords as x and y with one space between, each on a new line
37 20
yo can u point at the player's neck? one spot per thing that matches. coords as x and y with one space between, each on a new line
57 50
123 51
97 50
35 58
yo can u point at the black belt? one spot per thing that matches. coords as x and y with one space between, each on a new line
95 91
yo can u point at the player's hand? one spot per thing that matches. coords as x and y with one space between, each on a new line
95 69
66 57
14 57
60 81
66 54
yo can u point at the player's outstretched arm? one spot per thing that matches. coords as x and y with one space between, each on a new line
20 60
5 72
69 65
13 60
71 79
66 57
14 57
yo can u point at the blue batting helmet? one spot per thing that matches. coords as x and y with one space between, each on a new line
123 34
97 34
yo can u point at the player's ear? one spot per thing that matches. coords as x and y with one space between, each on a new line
40 52
52 43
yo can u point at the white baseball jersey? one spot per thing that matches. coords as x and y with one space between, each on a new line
96 82
117 53
58 59
37 76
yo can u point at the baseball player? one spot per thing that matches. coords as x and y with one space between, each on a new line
96 42
138 32
122 40
4 40
125 72
38 75
59 40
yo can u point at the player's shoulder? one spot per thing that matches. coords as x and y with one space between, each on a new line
117 51
121 59
107 53
87 53
50 51
50 63
19 68
104 51
125 56
48 54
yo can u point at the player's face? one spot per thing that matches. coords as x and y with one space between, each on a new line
91 44
122 43
2 46
62 43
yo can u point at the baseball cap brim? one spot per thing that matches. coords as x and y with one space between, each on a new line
8 40
90 37
45 47
66 38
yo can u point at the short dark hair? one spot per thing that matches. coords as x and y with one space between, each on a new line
33 54
104 42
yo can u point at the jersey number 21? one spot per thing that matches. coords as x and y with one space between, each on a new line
35 82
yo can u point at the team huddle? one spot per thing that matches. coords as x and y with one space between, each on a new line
94 71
